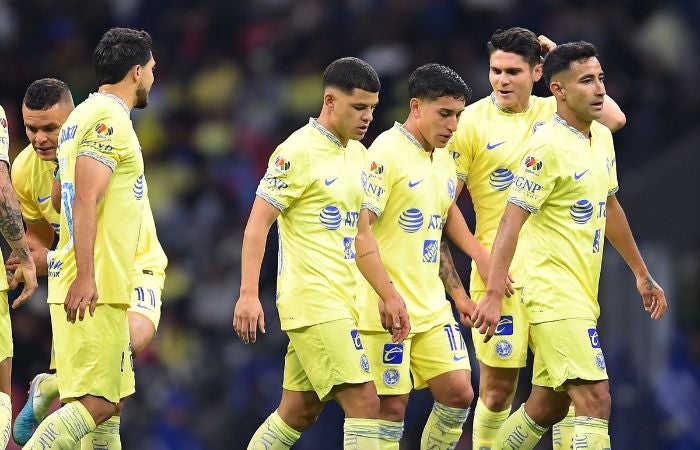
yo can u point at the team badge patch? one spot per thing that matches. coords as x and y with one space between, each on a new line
393 354
391 377
103 130
282 164
364 363
505 326
593 336
451 188
504 348
600 361
348 245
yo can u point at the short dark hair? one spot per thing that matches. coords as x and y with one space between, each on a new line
118 51
349 73
431 81
520 41
44 93
560 59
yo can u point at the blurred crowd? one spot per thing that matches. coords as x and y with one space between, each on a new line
233 79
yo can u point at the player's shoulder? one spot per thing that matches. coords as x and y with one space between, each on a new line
24 160
385 145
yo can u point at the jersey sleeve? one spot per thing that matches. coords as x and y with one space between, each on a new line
537 176
21 182
380 178
613 185
462 146
106 140
286 177
4 138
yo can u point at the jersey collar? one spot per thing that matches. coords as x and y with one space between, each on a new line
408 135
507 110
115 98
330 136
560 121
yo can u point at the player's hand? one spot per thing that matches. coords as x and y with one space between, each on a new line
82 295
465 307
653 297
24 273
248 316
487 314
39 254
483 265
546 43
394 317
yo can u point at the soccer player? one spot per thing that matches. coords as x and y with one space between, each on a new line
566 186
102 209
487 148
313 188
46 106
410 189
12 229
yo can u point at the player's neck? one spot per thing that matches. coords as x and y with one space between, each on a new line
411 126
121 92
325 121
584 126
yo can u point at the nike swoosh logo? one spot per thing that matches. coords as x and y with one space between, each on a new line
43 199
579 175
458 358
490 146
414 184
331 181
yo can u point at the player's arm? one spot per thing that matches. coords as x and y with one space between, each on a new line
12 230
40 237
612 117
91 180
248 314
618 232
488 310
392 307
453 285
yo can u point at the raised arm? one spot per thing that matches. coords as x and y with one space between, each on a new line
248 313
618 232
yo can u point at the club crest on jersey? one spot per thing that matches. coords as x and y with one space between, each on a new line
138 188
581 211
451 188
364 363
363 179
348 245
505 326
282 164
430 250
503 348
330 217
600 361
536 126
501 179
391 377
532 165
103 130
411 220
393 354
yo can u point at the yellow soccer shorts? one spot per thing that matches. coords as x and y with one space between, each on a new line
146 289
322 356
566 350
508 346
5 328
423 356
93 356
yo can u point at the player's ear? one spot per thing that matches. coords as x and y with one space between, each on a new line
537 72
557 89
414 106
136 72
328 100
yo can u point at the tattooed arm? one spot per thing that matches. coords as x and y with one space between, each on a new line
618 232
453 285
12 230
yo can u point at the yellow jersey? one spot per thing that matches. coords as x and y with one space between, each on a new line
4 156
487 147
317 184
101 128
564 180
410 193
32 179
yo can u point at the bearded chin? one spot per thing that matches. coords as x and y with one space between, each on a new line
141 98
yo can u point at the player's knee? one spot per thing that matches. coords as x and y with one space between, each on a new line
393 408
496 398
141 332
458 397
597 403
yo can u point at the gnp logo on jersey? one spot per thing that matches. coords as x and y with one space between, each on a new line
593 336
532 165
138 187
103 130
430 250
581 211
393 354
411 220
501 179
391 377
348 245
505 326
282 164
330 217
355 335
376 168
536 126
451 188
503 348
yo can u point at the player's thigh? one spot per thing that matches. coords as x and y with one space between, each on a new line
146 300
93 356
508 347
437 351
331 354
390 362
566 350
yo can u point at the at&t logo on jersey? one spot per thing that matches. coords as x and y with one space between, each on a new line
391 377
138 188
393 354
581 211
349 247
411 220
451 188
355 335
430 250
282 164
503 348
501 179
330 217
505 326
593 336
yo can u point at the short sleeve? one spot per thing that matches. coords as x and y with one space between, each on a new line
285 178
106 140
611 160
4 138
536 178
